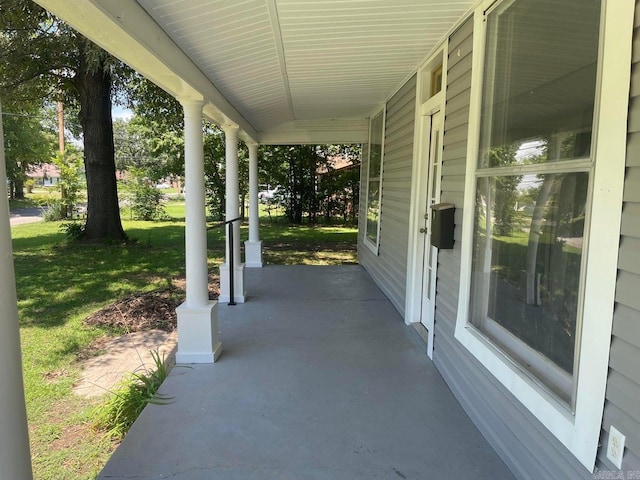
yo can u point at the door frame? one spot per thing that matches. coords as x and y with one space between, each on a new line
426 106
434 166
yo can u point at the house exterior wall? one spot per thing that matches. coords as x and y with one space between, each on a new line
389 268
622 404
522 441
526 446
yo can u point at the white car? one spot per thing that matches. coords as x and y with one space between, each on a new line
268 194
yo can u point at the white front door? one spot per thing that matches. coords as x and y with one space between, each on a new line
433 138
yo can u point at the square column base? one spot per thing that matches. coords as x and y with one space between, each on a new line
238 284
198 336
253 254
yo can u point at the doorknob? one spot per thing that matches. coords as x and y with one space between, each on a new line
423 230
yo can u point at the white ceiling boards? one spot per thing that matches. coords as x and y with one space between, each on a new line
282 60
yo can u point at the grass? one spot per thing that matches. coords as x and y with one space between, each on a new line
39 197
60 283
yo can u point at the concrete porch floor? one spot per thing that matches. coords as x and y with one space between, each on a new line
319 378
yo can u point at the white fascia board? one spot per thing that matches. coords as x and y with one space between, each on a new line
125 30
332 131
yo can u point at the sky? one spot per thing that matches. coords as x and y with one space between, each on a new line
120 112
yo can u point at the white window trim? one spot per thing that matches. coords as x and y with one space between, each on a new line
375 247
580 431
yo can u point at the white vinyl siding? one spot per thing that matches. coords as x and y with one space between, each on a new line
389 268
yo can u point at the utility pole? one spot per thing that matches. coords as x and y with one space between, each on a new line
63 192
60 127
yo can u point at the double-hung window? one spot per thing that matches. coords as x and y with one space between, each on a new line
544 165
374 180
532 182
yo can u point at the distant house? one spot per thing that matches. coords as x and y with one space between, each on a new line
45 174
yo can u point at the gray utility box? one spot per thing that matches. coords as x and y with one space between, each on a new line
442 225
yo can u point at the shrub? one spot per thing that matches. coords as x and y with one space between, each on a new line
55 211
72 231
144 199
146 202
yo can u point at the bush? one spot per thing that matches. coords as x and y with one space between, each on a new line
143 197
55 211
146 203
72 231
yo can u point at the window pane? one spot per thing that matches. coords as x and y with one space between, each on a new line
373 210
526 268
373 179
375 155
539 81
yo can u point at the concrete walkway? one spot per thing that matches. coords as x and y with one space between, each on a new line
319 379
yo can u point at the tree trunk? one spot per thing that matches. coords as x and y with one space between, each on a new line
103 212
18 186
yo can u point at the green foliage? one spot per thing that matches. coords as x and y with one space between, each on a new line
214 171
295 169
73 231
506 191
46 59
124 405
55 211
145 200
71 183
42 199
308 180
29 184
159 122
26 142
136 146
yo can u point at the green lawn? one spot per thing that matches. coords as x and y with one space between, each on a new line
59 284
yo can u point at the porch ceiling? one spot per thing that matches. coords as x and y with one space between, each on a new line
284 66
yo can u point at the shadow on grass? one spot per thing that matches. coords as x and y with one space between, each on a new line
56 280
309 245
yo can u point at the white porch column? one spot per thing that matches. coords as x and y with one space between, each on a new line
15 459
198 339
253 247
232 196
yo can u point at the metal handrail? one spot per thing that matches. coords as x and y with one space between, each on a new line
231 263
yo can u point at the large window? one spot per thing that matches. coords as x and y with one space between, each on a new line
374 180
542 205
532 183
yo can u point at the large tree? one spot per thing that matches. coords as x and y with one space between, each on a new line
56 62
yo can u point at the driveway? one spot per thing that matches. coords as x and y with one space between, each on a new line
26 215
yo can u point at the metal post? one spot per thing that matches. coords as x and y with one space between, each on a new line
231 266
231 255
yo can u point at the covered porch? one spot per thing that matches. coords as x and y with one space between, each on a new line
319 379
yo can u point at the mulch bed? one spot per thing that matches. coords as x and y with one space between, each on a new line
140 312
147 311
